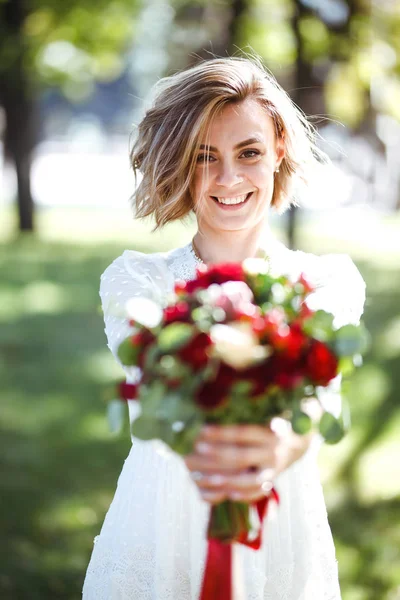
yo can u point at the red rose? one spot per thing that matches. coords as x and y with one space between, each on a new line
288 381
226 272
219 273
259 375
290 340
214 393
177 312
321 364
195 352
200 283
286 372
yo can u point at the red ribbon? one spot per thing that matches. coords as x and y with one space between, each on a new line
217 581
127 391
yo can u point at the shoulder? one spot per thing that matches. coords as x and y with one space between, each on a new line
339 286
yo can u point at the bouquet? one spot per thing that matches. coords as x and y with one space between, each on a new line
235 345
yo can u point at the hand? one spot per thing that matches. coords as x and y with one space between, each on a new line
240 462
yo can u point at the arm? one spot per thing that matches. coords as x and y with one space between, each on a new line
131 275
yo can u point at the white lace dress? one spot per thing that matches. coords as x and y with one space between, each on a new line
152 545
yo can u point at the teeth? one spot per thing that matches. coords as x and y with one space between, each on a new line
237 200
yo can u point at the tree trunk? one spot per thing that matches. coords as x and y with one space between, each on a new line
239 8
15 96
304 96
224 44
300 73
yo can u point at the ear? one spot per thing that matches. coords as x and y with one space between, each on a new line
280 150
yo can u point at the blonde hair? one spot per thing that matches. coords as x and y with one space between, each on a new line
169 135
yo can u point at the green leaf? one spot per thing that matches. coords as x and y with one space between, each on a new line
173 368
128 353
351 339
319 325
175 336
177 407
151 397
183 441
301 422
242 388
151 357
346 366
151 428
331 428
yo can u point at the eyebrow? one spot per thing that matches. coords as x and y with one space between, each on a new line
253 140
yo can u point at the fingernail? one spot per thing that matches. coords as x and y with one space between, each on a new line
267 486
203 448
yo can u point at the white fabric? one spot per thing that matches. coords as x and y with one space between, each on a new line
152 544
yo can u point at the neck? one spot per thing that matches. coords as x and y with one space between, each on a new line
230 246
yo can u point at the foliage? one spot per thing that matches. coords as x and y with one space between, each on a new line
68 44
352 48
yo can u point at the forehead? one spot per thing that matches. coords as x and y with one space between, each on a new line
239 121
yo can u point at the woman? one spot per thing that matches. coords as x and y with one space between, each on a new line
224 140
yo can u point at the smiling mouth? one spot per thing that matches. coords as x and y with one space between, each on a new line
232 201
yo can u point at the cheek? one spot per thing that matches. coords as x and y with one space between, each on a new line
200 184
262 177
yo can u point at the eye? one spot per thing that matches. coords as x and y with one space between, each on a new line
202 158
251 153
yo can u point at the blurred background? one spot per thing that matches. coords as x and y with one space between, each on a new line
74 78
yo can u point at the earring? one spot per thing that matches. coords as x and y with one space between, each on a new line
277 170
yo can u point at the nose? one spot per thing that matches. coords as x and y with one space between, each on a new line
228 174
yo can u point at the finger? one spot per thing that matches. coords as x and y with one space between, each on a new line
207 465
224 456
243 481
213 497
249 495
246 481
238 434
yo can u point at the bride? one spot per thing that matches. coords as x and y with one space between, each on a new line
224 140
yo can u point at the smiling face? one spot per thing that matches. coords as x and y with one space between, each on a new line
234 177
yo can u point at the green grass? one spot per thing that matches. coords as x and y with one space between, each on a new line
58 463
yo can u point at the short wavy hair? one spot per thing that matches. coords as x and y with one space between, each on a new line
170 133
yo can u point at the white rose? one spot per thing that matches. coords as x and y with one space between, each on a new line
144 311
237 345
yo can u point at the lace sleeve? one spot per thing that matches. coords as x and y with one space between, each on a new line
131 275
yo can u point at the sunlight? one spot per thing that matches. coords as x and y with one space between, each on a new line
43 297
102 367
388 341
378 470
